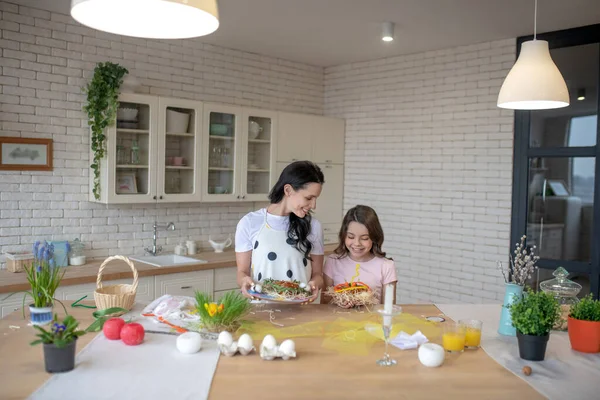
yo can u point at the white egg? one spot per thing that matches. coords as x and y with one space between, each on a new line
258 288
302 285
225 339
431 354
269 342
189 342
287 349
245 344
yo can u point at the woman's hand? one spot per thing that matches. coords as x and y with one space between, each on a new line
245 284
315 284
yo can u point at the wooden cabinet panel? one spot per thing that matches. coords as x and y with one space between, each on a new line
328 140
226 278
294 137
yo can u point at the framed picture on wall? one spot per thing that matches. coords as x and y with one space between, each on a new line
25 154
126 183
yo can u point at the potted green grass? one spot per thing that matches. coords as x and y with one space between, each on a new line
59 343
533 316
584 325
224 315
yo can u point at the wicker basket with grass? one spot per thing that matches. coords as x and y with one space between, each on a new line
115 295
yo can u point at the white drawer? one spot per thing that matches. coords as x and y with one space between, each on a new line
12 304
144 294
218 294
330 233
226 278
184 284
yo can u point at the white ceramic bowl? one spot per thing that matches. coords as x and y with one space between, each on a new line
127 114
177 122
254 129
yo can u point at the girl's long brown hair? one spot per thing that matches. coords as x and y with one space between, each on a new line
368 217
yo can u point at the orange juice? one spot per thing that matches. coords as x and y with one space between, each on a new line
473 337
453 341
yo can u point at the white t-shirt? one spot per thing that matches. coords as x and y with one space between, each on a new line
250 224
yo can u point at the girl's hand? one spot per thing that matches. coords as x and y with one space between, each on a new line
247 283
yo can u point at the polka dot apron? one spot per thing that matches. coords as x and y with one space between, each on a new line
274 256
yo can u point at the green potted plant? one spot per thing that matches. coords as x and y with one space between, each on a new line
225 315
43 277
584 325
101 108
533 315
59 344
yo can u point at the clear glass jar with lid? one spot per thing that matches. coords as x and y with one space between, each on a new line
76 255
565 291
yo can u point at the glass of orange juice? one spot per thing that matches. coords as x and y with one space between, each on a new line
472 332
454 336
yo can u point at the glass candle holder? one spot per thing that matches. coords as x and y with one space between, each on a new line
472 332
387 313
454 336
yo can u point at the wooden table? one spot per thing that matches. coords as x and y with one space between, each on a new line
315 373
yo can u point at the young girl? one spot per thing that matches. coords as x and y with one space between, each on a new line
361 238
283 241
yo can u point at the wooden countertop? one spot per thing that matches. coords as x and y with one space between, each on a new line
317 373
16 282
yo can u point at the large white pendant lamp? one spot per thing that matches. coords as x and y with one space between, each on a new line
534 82
153 19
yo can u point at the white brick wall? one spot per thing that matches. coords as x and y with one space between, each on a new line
427 147
47 58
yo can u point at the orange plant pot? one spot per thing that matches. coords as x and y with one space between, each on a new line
584 335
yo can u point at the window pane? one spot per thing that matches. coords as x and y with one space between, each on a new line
560 207
575 125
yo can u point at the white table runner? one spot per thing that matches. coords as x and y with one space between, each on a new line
564 374
109 369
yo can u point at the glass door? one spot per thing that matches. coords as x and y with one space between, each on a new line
556 172
132 144
259 149
179 150
222 163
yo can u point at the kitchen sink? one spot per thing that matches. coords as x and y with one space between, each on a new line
167 260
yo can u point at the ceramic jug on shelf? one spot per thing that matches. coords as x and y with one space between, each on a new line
220 246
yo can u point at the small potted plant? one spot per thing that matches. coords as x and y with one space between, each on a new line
43 277
584 325
533 315
59 343
225 315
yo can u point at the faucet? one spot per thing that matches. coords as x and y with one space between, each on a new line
157 249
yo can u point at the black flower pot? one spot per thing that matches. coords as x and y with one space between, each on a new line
532 348
59 359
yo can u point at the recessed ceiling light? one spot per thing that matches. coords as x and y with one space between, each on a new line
388 32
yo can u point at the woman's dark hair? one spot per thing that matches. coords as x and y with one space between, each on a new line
368 217
298 175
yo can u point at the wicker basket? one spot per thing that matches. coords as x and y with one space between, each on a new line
115 295
16 262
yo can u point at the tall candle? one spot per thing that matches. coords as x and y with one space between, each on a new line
388 303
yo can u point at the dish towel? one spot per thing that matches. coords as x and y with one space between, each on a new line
404 341
564 374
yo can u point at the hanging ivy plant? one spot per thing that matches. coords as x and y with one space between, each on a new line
101 108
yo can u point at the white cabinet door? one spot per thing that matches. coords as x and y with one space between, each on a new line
258 152
222 148
12 304
225 278
144 293
179 150
331 232
328 140
329 203
294 137
185 283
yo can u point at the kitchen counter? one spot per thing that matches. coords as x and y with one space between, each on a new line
75 275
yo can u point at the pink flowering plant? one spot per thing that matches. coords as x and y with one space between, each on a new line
43 275
522 264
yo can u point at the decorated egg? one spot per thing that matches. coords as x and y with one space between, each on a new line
189 342
431 354
245 344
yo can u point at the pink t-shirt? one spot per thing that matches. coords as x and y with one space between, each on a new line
375 273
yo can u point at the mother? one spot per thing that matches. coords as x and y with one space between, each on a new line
283 241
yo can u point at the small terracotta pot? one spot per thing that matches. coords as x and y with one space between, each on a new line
584 335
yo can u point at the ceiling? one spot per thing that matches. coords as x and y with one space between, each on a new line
334 32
